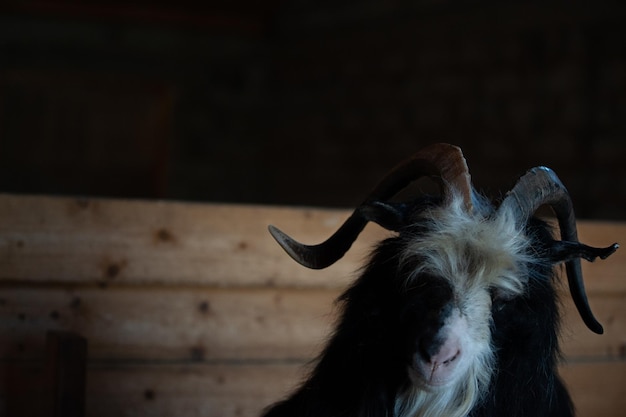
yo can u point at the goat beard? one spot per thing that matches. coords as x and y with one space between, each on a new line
453 400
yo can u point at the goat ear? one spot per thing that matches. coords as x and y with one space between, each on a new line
391 216
562 251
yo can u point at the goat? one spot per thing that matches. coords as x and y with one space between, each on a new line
457 313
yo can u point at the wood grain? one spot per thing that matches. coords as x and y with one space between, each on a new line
159 323
69 241
224 390
193 309
597 388
119 242
245 390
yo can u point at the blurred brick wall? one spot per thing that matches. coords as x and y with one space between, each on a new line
310 103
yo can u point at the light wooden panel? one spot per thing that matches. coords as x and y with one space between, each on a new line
609 275
223 324
157 324
190 391
108 242
244 389
579 342
598 389
136 242
217 390
193 309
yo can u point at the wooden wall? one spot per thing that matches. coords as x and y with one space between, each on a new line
192 309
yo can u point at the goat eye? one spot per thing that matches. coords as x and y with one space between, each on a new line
498 305
498 300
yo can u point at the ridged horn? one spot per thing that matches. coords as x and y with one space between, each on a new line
541 186
443 162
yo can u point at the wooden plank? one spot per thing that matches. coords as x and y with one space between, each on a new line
167 390
579 342
167 324
204 390
604 276
64 240
192 324
114 242
598 389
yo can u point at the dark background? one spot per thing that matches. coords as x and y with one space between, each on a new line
308 102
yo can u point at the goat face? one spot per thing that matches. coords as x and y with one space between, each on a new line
448 267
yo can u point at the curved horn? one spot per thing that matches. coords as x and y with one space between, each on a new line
540 186
442 161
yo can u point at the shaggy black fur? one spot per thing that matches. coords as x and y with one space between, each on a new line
364 364
525 333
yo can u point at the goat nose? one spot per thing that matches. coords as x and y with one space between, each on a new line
439 367
448 353
443 352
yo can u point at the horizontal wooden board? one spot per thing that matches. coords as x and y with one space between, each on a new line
205 324
165 324
246 390
579 342
604 275
218 391
155 285
598 389
115 242
64 240
164 390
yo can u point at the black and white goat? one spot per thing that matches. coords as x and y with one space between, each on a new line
457 314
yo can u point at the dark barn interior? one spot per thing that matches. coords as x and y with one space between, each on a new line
146 145
308 102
